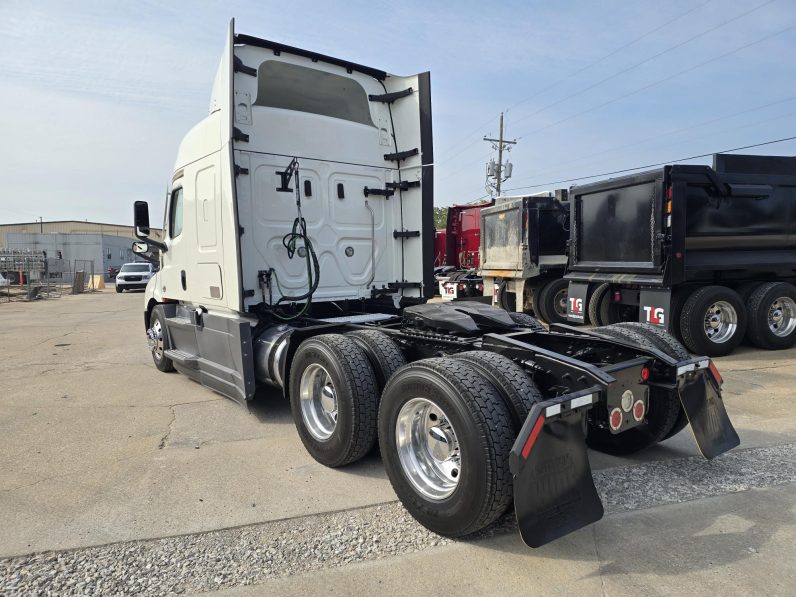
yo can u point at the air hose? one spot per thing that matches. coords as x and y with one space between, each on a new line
291 242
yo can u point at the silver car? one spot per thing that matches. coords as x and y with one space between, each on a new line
134 275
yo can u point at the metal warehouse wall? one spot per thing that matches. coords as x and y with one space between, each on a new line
70 227
103 250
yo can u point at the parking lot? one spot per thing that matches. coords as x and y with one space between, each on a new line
116 478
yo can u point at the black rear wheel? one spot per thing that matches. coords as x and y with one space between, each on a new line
662 413
384 355
668 345
527 321
334 399
713 321
553 301
772 315
595 304
518 391
445 435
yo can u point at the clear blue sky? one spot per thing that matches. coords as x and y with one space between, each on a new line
96 95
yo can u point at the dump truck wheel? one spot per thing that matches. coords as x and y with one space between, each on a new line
668 345
518 391
553 301
713 321
527 321
384 355
159 340
506 300
772 315
445 435
662 413
334 399
594 304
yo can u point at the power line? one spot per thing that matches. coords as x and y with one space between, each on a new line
638 90
693 157
613 53
572 74
663 80
671 132
645 61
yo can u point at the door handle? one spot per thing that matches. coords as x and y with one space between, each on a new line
182 279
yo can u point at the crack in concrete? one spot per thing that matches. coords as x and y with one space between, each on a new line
165 438
599 559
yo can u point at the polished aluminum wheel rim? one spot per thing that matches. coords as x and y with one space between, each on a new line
156 340
318 401
721 321
560 302
428 448
782 316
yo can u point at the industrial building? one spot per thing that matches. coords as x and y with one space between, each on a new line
106 245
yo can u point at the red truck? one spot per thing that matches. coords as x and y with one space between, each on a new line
457 269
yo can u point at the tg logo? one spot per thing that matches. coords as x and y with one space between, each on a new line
575 305
655 315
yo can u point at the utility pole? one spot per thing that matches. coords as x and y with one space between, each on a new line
496 171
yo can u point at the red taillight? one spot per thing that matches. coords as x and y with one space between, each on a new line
480 287
715 372
638 410
461 286
617 296
645 373
615 419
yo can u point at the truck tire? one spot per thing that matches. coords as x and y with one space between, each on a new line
608 312
119 289
527 321
384 355
334 399
518 391
772 315
157 325
506 300
449 463
594 304
668 345
713 321
553 301
662 413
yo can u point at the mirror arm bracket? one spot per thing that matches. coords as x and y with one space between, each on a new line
155 243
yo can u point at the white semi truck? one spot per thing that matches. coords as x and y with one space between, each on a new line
298 253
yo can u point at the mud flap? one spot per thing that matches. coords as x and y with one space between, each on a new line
554 493
701 400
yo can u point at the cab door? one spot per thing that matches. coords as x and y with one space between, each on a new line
173 275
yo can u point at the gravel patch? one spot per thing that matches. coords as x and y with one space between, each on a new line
246 555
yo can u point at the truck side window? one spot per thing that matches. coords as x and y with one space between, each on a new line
175 214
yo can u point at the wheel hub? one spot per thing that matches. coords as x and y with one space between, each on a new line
782 316
318 398
720 322
155 339
428 448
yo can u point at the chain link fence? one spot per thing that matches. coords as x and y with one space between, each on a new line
32 275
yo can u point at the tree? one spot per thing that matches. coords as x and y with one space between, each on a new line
440 218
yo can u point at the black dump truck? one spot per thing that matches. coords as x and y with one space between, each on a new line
707 253
524 254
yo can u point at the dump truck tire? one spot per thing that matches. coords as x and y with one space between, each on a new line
772 316
527 321
662 413
384 355
553 301
713 321
334 399
594 304
445 435
518 391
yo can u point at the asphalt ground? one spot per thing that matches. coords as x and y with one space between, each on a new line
116 478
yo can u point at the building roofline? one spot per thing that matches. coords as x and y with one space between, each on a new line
37 223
